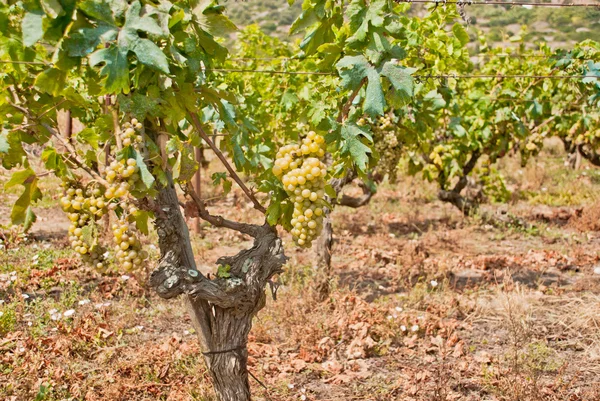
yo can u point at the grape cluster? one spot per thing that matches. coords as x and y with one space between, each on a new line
128 134
84 207
302 174
387 145
129 251
122 176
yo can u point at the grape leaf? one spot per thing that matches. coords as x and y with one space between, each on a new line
273 213
51 81
401 80
21 177
221 178
141 220
460 33
147 177
30 218
115 68
353 146
89 234
4 145
353 69
114 58
32 28
52 8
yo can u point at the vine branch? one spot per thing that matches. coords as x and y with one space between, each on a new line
198 127
219 221
346 108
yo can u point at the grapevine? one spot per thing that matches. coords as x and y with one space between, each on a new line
302 173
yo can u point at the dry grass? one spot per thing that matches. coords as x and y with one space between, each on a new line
426 305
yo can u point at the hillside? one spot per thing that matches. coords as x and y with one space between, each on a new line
558 26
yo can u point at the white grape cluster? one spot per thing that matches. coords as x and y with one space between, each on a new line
84 207
122 176
302 173
129 252
130 133
387 145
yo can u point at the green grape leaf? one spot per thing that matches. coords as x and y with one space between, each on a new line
4 145
353 70
51 81
52 8
99 10
54 161
85 40
21 177
223 271
141 218
114 58
31 194
330 191
89 234
30 218
212 20
461 34
139 105
147 177
401 80
273 213
32 28
115 68
220 178
353 146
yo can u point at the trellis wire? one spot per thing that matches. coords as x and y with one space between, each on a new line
500 3
438 76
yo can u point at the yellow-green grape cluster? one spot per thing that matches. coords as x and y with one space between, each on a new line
122 176
303 176
83 208
388 147
130 133
129 251
96 257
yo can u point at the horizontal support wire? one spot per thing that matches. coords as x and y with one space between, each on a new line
500 3
491 56
442 76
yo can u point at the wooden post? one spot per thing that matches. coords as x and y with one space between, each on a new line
197 186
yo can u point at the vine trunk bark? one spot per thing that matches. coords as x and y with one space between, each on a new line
222 308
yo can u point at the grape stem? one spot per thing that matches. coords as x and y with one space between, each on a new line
72 152
73 155
346 108
234 175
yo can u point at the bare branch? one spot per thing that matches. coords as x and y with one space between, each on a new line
219 221
356 202
232 172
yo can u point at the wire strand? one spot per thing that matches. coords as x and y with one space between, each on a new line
500 3
24 62
440 76
270 71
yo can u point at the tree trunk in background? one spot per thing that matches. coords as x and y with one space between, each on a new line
324 249
221 309
198 185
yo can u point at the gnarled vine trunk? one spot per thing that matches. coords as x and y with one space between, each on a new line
221 308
